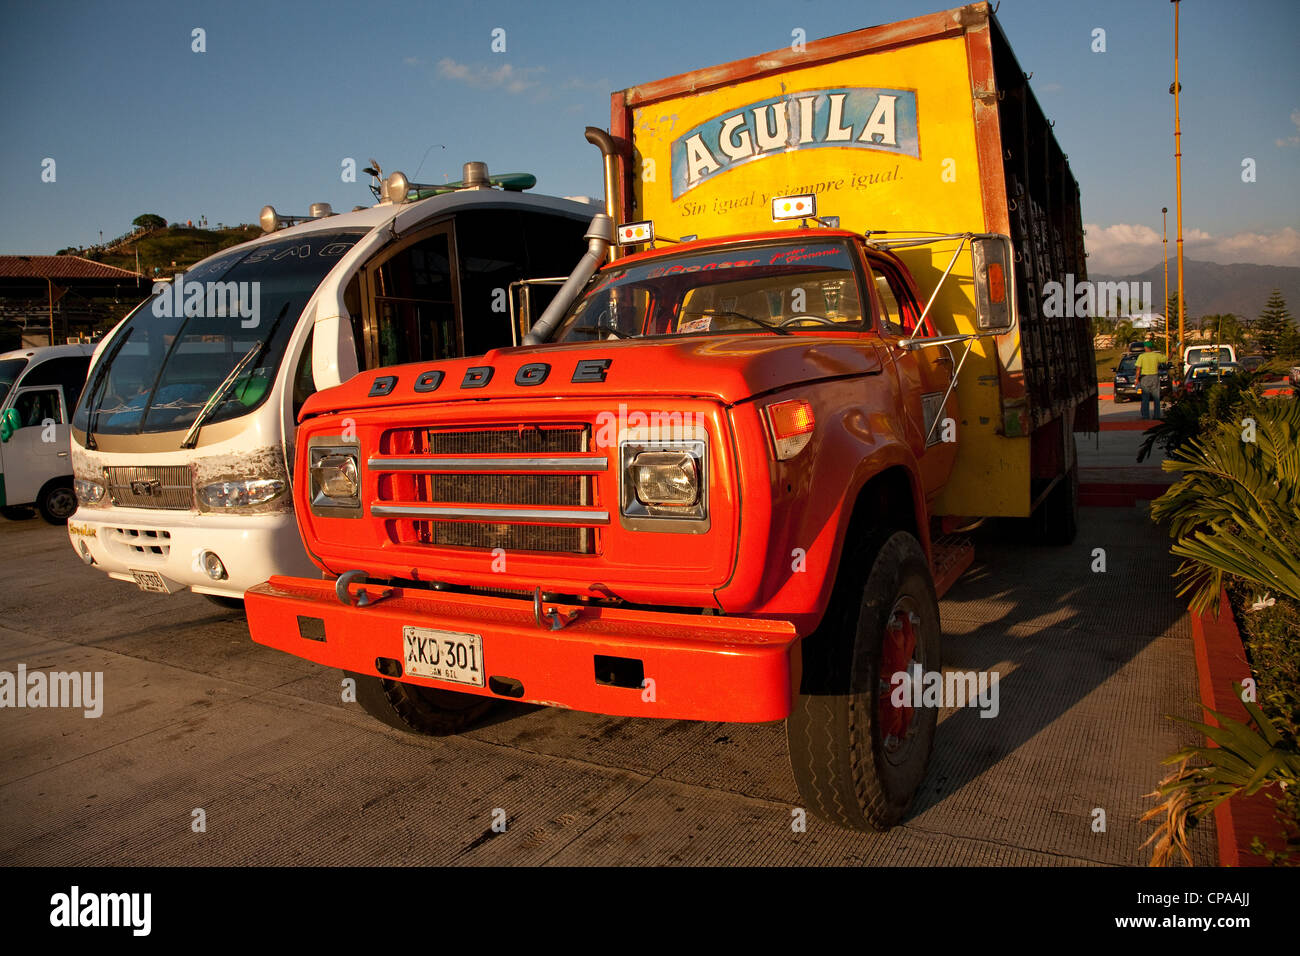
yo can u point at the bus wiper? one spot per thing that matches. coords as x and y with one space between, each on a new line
95 398
749 318
192 436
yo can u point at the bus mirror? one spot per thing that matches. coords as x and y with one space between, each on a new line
992 268
9 424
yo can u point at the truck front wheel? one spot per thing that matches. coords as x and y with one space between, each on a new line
416 709
859 740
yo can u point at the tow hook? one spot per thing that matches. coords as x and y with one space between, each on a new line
551 616
363 597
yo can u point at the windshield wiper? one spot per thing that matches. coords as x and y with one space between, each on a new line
95 398
601 328
749 318
192 436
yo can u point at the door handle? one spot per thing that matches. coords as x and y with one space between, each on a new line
63 454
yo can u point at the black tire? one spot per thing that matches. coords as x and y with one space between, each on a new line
18 512
57 501
229 603
416 709
849 771
1056 520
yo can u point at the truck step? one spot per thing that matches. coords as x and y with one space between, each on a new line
953 554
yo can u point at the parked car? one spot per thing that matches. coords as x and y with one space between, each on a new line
1204 374
1294 376
1252 363
1126 379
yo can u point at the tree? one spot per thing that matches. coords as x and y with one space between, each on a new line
1274 325
1226 328
1124 333
149 221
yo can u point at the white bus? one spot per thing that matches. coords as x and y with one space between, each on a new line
183 441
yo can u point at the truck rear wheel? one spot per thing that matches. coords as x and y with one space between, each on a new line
858 759
416 709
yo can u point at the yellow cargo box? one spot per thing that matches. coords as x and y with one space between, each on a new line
926 126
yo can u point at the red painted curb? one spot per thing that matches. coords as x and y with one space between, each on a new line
1096 494
1221 662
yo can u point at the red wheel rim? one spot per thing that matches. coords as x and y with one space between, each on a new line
899 654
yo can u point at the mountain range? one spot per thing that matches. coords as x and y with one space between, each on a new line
1211 289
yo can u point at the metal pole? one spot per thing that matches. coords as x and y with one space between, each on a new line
1178 172
1164 231
51 282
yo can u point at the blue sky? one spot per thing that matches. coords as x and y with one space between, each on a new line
138 122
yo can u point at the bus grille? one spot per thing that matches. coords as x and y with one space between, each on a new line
156 487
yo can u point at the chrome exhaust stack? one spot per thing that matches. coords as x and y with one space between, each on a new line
605 143
600 239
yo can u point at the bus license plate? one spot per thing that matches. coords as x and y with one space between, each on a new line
150 581
443 655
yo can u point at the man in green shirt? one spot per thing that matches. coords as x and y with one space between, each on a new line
1148 372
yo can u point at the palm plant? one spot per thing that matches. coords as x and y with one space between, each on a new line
1243 759
1236 509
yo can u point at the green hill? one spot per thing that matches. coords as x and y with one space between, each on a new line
175 249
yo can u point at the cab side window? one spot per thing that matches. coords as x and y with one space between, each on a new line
895 299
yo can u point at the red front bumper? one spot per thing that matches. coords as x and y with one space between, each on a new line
702 668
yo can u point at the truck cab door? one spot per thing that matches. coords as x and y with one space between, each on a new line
924 375
39 449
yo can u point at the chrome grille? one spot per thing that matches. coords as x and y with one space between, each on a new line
524 488
157 487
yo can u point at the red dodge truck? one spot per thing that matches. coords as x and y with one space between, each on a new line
717 480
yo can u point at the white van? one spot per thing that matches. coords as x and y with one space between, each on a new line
1197 354
39 388
183 442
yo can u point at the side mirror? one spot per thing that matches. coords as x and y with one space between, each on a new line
995 288
9 424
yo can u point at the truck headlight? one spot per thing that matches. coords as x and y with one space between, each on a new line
88 492
665 479
335 479
240 494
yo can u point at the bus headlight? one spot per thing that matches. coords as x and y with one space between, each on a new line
240 494
88 492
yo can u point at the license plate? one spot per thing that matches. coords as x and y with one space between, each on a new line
150 581
443 655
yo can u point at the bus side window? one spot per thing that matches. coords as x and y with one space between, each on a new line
39 405
304 385
352 303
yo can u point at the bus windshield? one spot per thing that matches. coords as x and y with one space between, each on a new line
180 345
779 287
10 369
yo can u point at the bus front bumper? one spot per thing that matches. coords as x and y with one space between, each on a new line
163 550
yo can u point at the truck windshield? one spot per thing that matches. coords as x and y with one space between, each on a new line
782 286
10 369
184 343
